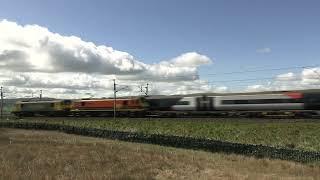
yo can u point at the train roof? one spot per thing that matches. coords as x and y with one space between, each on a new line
48 100
252 93
108 99
33 102
228 94
164 96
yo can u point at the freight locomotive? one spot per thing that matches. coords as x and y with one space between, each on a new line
291 103
42 108
105 107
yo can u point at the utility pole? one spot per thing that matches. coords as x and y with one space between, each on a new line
114 99
40 95
1 108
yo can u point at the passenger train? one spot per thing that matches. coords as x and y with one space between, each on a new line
293 103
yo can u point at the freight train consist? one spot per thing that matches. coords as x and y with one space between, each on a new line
259 104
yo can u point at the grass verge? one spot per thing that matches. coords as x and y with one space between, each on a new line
51 155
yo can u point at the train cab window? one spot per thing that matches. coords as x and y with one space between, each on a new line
67 102
183 103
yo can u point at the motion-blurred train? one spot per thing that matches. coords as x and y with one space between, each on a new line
286 103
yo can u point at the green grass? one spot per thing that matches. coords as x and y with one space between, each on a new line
303 135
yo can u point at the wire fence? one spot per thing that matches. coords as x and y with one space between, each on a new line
259 151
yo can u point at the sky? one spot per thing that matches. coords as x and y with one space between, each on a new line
74 48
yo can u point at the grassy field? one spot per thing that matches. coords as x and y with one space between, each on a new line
297 134
30 154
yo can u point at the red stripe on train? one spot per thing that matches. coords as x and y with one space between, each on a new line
294 95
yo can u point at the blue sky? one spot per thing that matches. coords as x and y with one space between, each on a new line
228 31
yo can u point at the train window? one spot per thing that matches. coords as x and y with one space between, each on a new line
125 103
312 98
183 103
83 103
228 102
262 101
51 104
242 101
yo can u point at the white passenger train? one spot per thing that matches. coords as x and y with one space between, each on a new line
282 101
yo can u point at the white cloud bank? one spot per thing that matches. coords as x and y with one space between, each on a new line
32 48
307 79
33 58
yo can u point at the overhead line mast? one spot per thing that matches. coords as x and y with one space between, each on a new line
40 96
114 99
146 91
1 108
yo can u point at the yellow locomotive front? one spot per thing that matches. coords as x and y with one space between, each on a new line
42 108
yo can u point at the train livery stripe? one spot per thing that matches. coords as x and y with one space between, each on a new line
294 95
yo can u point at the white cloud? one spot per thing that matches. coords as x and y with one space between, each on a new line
191 59
34 58
286 77
43 51
257 87
221 89
306 79
32 48
264 50
311 73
